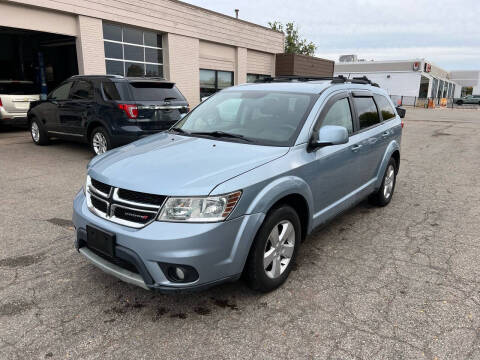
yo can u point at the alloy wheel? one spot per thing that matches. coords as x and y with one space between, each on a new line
388 182
35 131
99 143
279 249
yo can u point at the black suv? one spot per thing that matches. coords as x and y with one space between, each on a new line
106 111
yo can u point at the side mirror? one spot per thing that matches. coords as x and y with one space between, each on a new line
401 112
329 135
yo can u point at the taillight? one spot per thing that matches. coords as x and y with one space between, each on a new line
1 102
403 124
130 109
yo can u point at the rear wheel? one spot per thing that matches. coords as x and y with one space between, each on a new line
39 135
384 195
100 141
274 250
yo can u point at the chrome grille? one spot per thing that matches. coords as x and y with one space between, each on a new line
121 206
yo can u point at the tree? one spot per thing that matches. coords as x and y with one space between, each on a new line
293 43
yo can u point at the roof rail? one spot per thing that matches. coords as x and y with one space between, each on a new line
363 80
340 79
101 76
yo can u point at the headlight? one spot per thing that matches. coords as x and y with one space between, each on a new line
199 209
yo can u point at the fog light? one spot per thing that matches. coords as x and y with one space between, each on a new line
180 274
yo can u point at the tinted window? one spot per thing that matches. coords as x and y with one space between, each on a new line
153 55
133 52
114 67
134 69
113 50
207 83
62 92
154 70
110 91
133 36
367 111
148 90
152 39
225 79
82 90
340 115
17 88
263 117
385 107
112 32
212 81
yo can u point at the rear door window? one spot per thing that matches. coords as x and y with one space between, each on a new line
82 90
367 112
62 92
155 91
385 107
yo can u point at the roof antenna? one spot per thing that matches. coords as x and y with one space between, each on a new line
236 13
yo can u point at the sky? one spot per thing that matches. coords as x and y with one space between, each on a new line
445 32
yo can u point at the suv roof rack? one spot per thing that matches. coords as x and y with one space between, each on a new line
340 79
98 76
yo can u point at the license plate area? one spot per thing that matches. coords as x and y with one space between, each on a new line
101 241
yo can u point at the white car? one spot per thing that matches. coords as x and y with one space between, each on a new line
15 99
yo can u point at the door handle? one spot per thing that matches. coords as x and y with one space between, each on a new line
355 148
385 134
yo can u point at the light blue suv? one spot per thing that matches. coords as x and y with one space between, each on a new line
236 185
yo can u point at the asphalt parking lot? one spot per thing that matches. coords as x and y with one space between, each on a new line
400 282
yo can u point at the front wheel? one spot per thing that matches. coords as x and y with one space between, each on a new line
100 141
37 132
384 195
274 249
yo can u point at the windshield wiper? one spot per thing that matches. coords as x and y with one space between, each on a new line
178 130
220 134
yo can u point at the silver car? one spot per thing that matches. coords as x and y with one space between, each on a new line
237 184
15 99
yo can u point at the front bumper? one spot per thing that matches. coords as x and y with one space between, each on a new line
217 251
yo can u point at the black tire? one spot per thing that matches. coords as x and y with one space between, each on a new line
380 198
102 132
38 133
459 102
254 273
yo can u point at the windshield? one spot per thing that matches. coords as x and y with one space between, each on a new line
260 117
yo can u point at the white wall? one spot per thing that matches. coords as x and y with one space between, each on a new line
399 83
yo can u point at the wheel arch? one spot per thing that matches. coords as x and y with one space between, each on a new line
93 125
290 190
393 150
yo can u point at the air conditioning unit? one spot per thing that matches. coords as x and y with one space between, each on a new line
348 58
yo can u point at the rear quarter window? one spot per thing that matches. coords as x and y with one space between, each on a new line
367 112
385 107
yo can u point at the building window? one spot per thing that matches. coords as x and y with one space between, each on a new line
251 78
212 81
132 52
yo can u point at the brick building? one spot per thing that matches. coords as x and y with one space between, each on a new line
201 50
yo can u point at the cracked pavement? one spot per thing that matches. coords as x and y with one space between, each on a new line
400 282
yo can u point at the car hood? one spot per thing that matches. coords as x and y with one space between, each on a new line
168 164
